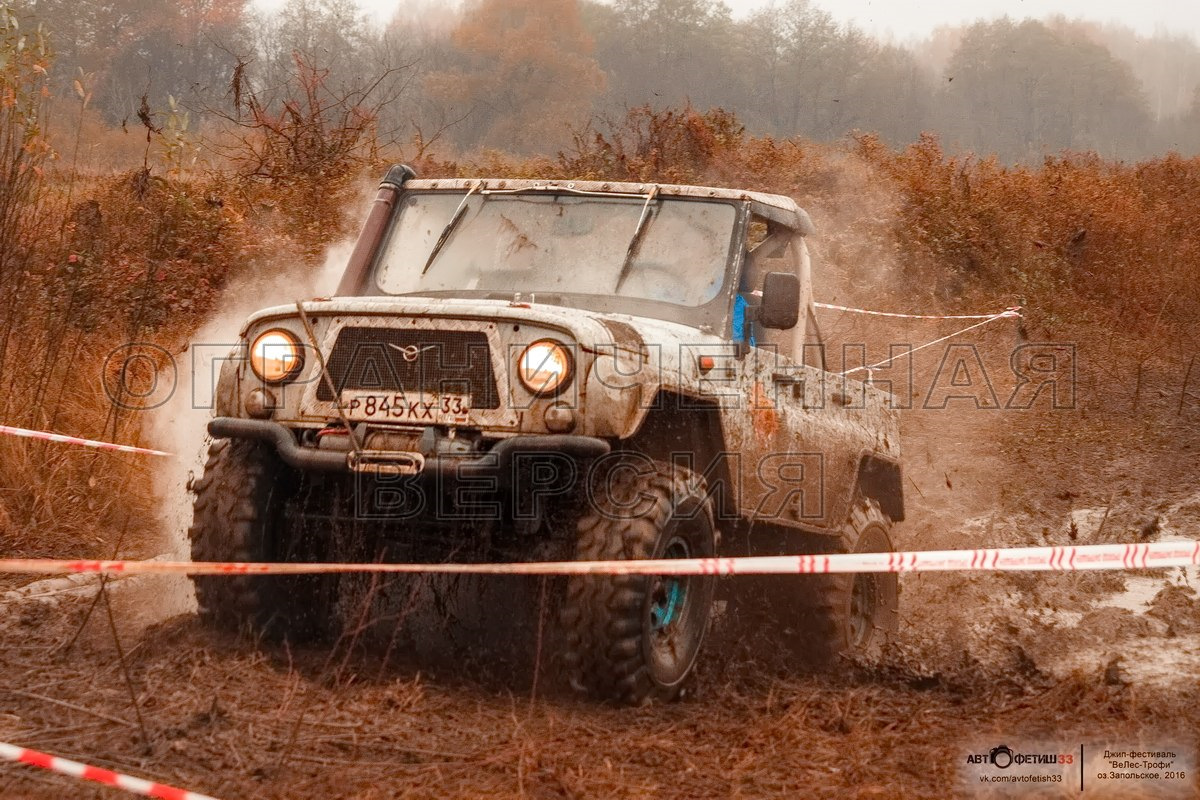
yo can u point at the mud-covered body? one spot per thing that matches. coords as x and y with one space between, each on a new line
779 441
531 370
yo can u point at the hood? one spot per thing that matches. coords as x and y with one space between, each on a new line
589 328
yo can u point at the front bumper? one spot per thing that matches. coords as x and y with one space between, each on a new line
497 459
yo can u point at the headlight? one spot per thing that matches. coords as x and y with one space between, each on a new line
544 367
276 356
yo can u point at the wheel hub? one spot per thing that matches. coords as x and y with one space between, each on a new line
668 594
667 602
863 604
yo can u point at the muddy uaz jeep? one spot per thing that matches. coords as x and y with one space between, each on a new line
539 370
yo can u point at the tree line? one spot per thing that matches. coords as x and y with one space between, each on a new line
527 76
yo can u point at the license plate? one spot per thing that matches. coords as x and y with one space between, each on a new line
426 409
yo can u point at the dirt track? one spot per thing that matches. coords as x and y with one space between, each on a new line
226 719
1071 658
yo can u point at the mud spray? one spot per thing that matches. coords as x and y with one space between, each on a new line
968 480
180 425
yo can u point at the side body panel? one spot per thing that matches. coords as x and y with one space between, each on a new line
802 435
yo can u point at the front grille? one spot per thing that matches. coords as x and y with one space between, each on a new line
413 360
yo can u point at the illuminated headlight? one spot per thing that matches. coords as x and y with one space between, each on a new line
276 356
544 367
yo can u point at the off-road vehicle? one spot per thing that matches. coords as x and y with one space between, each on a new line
534 370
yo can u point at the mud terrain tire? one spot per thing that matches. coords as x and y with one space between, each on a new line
238 516
632 639
855 615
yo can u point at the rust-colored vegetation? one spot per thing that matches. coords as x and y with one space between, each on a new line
1096 250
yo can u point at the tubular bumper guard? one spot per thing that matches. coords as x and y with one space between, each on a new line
498 458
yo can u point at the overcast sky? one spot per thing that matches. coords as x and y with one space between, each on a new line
914 18
907 19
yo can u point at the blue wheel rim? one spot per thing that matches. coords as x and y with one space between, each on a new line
670 593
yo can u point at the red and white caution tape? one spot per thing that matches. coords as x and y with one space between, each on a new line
58 437
1153 555
1012 311
64 766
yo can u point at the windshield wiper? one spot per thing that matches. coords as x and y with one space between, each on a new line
636 241
459 213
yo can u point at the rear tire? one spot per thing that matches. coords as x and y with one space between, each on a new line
856 614
632 639
238 515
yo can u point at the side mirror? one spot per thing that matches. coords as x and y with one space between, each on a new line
780 308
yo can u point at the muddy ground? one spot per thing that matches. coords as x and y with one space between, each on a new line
1087 658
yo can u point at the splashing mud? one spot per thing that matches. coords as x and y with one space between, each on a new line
179 426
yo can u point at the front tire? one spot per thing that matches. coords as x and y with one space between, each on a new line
632 639
238 515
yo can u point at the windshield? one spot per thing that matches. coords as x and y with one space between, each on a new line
558 244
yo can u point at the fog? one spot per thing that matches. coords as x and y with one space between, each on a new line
529 76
